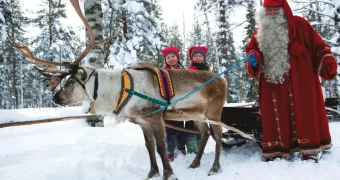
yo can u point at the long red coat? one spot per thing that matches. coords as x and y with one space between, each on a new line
293 113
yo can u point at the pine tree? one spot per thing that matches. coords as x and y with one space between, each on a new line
10 89
173 38
227 51
196 37
4 16
249 85
53 42
224 41
140 32
151 30
233 76
211 55
156 11
5 13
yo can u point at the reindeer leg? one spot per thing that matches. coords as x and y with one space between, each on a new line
204 131
150 145
218 134
157 126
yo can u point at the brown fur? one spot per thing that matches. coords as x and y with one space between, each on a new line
205 104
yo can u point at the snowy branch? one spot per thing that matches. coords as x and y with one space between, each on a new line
324 24
314 2
237 26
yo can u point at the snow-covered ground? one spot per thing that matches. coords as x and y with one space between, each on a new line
72 150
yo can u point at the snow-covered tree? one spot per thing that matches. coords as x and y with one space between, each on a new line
156 11
224 43
54 41
4 12
12 71
173 38
249 85
196 37
140 32
324 16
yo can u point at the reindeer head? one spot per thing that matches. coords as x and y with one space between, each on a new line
76 88
70 93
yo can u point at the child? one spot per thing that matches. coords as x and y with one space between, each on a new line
173 137
197 58
197 62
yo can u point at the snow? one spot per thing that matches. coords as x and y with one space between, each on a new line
133 6
72 150
30 114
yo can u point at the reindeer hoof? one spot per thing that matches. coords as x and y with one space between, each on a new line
194 165
170 177
214 170
153 174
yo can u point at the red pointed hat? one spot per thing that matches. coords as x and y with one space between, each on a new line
273 3
170 50
197 49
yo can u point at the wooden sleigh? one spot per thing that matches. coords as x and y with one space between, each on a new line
248 120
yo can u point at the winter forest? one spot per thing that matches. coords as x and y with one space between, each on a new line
143 34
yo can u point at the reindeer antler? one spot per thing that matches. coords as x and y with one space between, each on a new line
54 75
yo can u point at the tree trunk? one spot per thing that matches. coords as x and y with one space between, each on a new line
125 27
14 73
50 23
94 15
14 82
96 57
223 27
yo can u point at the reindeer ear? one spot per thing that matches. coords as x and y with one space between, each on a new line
81 74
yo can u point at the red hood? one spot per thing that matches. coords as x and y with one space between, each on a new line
290 19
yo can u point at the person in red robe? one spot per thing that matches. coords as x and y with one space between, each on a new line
289 58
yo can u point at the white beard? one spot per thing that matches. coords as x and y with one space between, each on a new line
273 40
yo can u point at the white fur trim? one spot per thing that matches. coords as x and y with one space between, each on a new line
303 152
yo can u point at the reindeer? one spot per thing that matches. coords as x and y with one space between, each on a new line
105 88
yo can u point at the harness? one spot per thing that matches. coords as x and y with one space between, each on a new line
127 84
165 87
95 91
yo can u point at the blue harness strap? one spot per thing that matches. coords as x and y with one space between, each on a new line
202 85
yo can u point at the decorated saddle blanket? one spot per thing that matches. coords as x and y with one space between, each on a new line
165 84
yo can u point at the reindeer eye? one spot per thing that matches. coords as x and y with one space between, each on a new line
71 81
